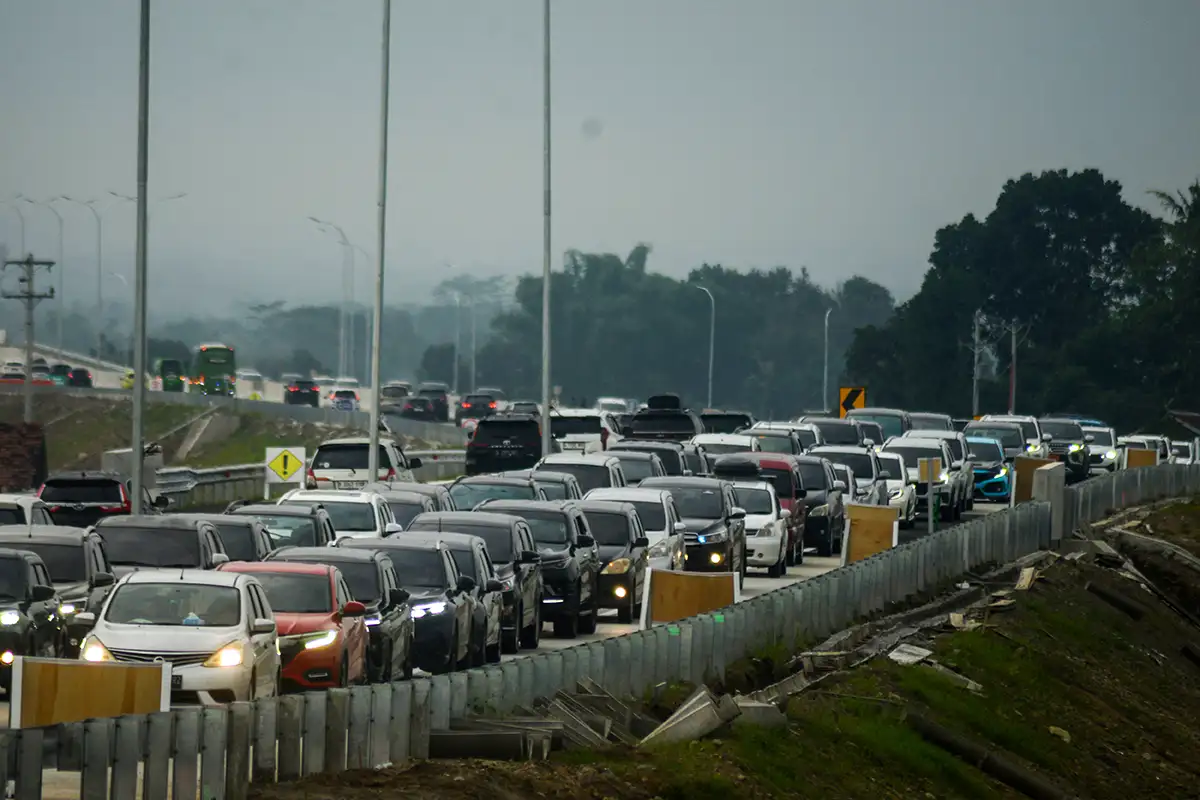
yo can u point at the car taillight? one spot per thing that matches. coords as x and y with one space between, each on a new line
408 406
126 506
604 438
466 405
293 389
491 405
391 474
41 489
356 397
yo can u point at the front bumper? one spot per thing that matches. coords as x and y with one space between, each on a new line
615 589
433 641
561 596
991 486
707 557
210 685
304 670
763 551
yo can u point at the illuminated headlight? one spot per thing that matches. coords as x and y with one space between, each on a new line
1111 455
428 609
715 558
231 655
660 549
895 493
10 617
66 609
93 650
318 640
711 538
617 567
1075 448
371 621
1003 471
7 658
943 477
1031 448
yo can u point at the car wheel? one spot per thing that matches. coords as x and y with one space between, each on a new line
451 653
510 641
588 624
252 694
532 636
479 654
408 661
567 625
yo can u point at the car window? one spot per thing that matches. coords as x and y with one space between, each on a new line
175 604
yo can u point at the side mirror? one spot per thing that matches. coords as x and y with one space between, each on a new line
785 514
529 557
1088 438
972 456
641 541
398 597
263 626
800 494
839 486
392 528
687 473
102 579
465 583
162 502
493 585
414 463
585 541
354 609
868 442
1046 437
219 558
679 527
737 512
885 474
85 618
41 594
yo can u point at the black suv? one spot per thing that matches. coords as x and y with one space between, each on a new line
834 431
475 406
373 582
244 538
470 492
624 555
79 378
83 498
290 525
825 504
518 566
140 541
669 453
439 395
570 561
664 417
504 442
79 571
1069 445
556 485
29 603
725 421
716 527
302 392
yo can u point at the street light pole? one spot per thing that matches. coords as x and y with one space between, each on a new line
61 283
474 349
21 217
137 443
546 441
345 242
457 337
90 205
381 245
825 378
712 342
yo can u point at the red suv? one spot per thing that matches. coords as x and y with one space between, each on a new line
783 472
322 632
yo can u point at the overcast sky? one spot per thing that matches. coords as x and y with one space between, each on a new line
836 135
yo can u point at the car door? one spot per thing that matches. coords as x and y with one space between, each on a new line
492 600
44 614
266 657
400 464
837 499
528 572
586 557
639 555
398 616
464 606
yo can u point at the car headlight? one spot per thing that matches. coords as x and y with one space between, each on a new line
373 620
1075 447
1031 448
1003 471
93 650
660 549
894 493
10 617
428 609
819 511
1111 455
318 640
66 609
231 655
944 476
712 538
617 567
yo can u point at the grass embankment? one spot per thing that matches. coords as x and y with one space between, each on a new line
1073 691
255 433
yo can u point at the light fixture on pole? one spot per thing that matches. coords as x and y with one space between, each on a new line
546 440
381 245
825 372
62 289
712 341
137 443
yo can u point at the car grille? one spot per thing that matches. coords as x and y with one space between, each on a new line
986 474
149 657
1096 458
690 538
1060 447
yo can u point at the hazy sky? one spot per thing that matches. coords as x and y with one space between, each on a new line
836 135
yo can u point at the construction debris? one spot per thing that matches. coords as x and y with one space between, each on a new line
700 715
909 654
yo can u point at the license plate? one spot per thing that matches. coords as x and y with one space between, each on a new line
176 681
350 484
506 453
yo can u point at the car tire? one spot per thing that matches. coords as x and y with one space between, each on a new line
492 655
589 625
510 641
567 626
531 636
777 570
479 654
451 662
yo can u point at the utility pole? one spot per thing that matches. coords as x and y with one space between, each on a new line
381 244
474 348
975 348
28 295
137 443
546 229
1012 371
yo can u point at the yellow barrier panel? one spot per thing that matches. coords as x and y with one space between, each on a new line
929 470
671 595
873 529
1140 458
1024 466
49 691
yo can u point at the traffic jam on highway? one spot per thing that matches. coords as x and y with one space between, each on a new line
347 581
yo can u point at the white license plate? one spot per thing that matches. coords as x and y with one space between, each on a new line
350 484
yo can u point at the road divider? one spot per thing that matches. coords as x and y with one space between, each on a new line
870 530
54 691
670 596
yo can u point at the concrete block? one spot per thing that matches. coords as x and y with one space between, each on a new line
1049 486
763 715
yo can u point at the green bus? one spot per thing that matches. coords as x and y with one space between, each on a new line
213 370
169 374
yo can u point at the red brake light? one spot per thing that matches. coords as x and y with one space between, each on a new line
391 474
492 404
466 405
41 489
293 389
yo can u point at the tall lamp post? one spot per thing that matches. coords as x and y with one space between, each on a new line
381 244
21 217
46 204
712 341
90 205
825 378
546 440
326 226
137 443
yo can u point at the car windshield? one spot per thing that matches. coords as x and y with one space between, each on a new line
837 432
66 491
549 527
912 455
575 426
697 502
419 569
393 392
361 576
859 463
346 456
405 510
1008 436
725 448
652 514
693 462
12 578
1101 437
609 530
293 593
956 448
347 517
636 469
663 422
150 547
753 501
468 495
290 531
464 562
590 476
1063 431
725 423
554 491
1029 430
65 562
498 539
781 479
891 424
893 465
175 604
986 451
774 442
238 539
807 438
931 422
814 476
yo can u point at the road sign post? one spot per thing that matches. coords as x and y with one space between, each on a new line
284 465
851 397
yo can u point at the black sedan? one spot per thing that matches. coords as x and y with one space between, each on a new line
30 623
623 544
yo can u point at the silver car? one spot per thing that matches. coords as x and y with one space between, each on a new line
216 629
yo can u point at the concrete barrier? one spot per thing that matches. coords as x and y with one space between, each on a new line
1023 469
52 691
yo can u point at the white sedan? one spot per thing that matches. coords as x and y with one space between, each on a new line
766 527
902 491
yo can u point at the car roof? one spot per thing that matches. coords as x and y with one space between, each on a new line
528 505
926 433
87 475
1007 418
162 521
840 448
722 438
1061 420
209 577
681 480
455 541
633 445
548 476
18 499
328 496
17 552
216 518
759 486
495 480
419 488
473 517
295 567
626 494
42 533
636 455
273 510
875 410
607 507
364 548
404 496
332 553
596 459
917 441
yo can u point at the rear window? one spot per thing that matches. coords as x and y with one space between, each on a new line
518 431
60 369
238 541
171 366
480 399
305 384
931 422
778 442
346 394
12 515
636 469
725 423
837 432
655 422
672 459
67 490
394 391
428 392
572 426
346 456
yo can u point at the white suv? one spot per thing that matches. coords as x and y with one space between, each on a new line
343 464
583 430
357 514
216 629
766 526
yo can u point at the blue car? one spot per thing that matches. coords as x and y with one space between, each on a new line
993 475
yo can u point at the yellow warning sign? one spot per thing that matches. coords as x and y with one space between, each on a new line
285 464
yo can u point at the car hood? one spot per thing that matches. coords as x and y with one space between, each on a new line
293 624
816 497
166 638
896 485
423 596
72 590
695 525
611 552
988 464
757 521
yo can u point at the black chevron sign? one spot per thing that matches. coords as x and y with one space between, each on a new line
851 397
